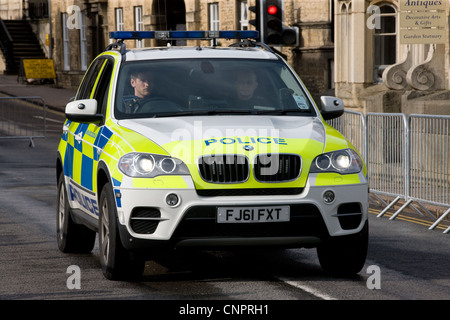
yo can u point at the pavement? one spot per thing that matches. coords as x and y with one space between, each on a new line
55 97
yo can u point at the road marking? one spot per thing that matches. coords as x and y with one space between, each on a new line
48 119
410 219
307 289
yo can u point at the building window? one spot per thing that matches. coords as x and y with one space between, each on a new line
119 19
242 7
385 41
83 43
138 24
331 76
65 39
213 16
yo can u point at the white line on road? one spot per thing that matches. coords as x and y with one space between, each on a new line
48 119
306 288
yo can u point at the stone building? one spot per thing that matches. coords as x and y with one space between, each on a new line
379 68
355 49
79 30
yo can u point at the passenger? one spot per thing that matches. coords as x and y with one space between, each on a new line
246 83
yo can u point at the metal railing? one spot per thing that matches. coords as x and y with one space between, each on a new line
23 118
408 158
430 161
352 125
387 159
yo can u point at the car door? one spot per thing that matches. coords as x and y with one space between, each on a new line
82 137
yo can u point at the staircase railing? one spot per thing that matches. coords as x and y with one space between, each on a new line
6 45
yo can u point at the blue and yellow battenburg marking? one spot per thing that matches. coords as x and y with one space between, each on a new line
81 156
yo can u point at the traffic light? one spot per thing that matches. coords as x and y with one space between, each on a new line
256 9
273 23
274 32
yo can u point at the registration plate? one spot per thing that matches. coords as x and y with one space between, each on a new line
253 214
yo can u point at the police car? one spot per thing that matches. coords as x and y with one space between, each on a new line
205 147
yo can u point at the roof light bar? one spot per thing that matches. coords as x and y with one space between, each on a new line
186 35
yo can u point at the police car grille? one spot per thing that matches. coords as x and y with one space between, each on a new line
145 220
277 167
224 168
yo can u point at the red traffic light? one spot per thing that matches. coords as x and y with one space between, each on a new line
272 10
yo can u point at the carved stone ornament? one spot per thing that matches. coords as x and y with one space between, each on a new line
394 76
422 78
429 75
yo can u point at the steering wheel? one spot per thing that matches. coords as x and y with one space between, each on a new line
158 104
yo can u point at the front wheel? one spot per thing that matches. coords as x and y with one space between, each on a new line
344 255
117 263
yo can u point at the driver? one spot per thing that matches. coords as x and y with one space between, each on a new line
143 83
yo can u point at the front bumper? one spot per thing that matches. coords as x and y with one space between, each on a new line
192 221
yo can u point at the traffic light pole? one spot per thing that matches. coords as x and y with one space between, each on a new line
258 10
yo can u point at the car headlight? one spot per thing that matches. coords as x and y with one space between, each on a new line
146 165
344 161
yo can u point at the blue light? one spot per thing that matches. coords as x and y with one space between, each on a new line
186 35
228 34
125 35
242 34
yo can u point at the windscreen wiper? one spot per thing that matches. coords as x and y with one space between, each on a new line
203 113
286 111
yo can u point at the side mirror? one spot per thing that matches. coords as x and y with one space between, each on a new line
331 107
83 111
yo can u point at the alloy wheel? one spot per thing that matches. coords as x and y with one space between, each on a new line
104 232
61 212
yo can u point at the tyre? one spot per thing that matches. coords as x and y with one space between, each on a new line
344 255
71 237
117 263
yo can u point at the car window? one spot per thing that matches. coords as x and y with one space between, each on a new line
89 79
103 84
156 88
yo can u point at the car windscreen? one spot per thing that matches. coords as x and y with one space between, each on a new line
184 87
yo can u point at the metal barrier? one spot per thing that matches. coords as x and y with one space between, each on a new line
430 161
387 158
22 118
408 158
352 125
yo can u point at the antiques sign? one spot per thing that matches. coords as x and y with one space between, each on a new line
422 21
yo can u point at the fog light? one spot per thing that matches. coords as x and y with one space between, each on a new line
328 196
172 199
